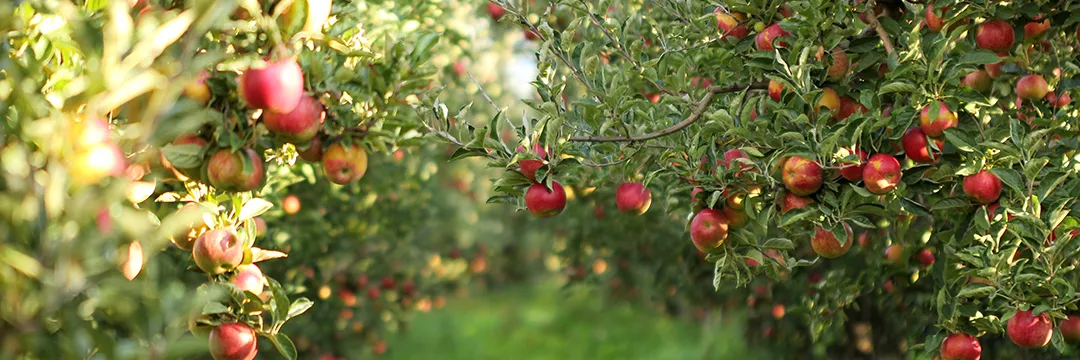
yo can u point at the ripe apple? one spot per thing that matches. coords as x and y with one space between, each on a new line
839 66
218 251
829 99
1035 29
994 35
88 132
894 255
531 36
933 22
1029 331
848 107
853 170
276 86
926 257
984 187
1070 329
529 168
233 341
764 39
249 278
826 244
495 11
791 202
977 80
314 150
91 165
736 197
802 176
544 202
653 97
193 227
298 126
197 90
731 156
240 171
633 198
1058 101
290 204
708 229
786 11
881 173
961 346
728 24
736 218
343 165
1031 87
776 90
936 127
917 148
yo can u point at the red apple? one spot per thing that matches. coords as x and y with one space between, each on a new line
693 194
1070 329
732 156
961 346
1058 101
776 90
936 127
531 36
218 251
91 165
728 24
848 107
529 167
495 11
1031 87
984 187
933 22
786 11
314 150
791 202
1029 331
917 148
764 39
249 278
977 80
802 176
881 173
233 341
994 35
544 202
633 198
1035 29
240 171
298 126
343 165
826 244
276 86
708 229
926 257
839 66
994 70
853 170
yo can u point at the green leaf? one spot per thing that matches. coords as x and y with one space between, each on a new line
299 306
280 301
976 291
1010 178
284 345
951 204
897 87
183 156
980 57
779 243
253 208
960 139
214 307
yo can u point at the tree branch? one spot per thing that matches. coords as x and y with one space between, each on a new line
699 109
872 19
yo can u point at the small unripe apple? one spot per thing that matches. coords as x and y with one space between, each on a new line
1029 331
881 173
728 24
197 90
936 127
343 165
961 346
853 170
708 229
977 80
218 251
917 148
802 176
276 86
249 278
495 11
233 341
826 244
983 187
1070 329
829 99
240 171
298 126
994 35
1031 87
544 202
776 90
765 39
791 202
633 198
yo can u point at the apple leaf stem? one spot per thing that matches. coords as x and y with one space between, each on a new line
699 109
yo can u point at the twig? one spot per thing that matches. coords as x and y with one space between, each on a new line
617 162
872 19
478 86
558 52
621 50
699 109
676 15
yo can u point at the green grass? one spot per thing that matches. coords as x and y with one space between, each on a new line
545 322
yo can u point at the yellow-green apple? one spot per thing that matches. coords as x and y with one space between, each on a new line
961 346
729 24
343 165
881 173
791 202
314 150
633 198
826 245
894 254
197 90
218 251
544 202
274 86
1031 87
736 197
235 171
1035 29
935 127
977 80
829 99
917 148
191 214
802 176
495 11
984 187
776 90
839 66
1029 331
765 39
853 169
249 278
298 126
994 35
708 229
1070 329
233 341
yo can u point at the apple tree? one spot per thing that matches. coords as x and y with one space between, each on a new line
772 136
